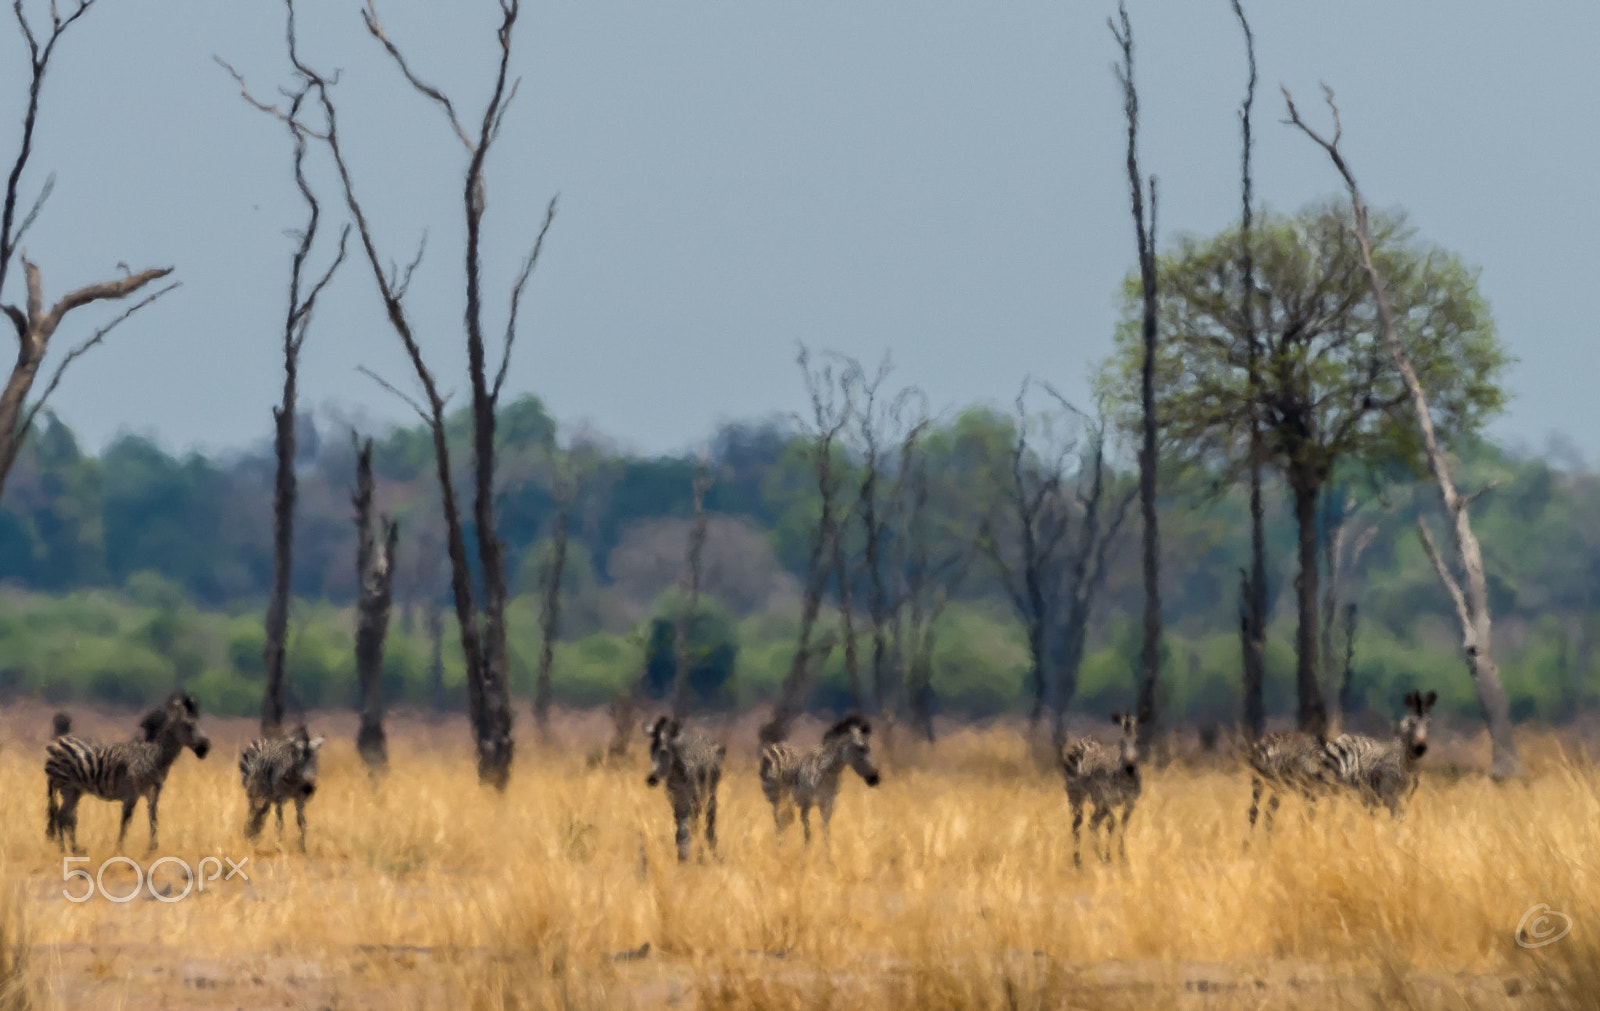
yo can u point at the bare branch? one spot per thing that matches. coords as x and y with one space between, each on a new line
401 283
516 299
77 352
33 212
1445 575
303 314
370 17
406 398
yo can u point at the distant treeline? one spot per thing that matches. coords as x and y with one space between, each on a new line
137 569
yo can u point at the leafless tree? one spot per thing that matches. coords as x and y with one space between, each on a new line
303 293
375 557
1342 549
1253 596
550 602
483 636
1100 508
830 414
1470 591
689 588
1145 231
35 323
1024 542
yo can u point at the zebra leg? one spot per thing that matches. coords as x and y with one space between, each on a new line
1101 815
1077 824
825 808
51 810
127 816
150 803
300 820
1122 834
258 816
277 808
1272 809
1256 787
683 814
67 819
711 813
805 819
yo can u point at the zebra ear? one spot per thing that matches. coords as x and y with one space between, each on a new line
1116 718
1412 702
152 723
1429 699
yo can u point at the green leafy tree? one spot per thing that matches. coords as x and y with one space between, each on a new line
1328 391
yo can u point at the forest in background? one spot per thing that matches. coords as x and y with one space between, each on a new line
134 570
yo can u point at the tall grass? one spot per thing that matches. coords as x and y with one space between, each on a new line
949 886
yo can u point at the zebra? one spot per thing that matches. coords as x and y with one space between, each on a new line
690 763
61 725
1108 778
276 769
1286 760
812 777
123 771
1384 772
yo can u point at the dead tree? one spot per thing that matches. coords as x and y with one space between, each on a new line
1025 542
689 594
830 415
1341 553
1100 510
297 321
1145 231
1253 596
375 555
1470 591
550 604
35 323
483 635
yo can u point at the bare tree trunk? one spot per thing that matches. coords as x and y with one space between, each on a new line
1253 606
830 418
296 323
690 586
483 644
1311 716
1145 231
1471 594
841 571
34 324
375 554
550 611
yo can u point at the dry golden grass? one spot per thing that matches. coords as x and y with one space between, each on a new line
949 886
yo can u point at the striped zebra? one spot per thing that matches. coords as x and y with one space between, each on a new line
1286 760
277 769
1106 777
812 777
1384 772
123 771
690 763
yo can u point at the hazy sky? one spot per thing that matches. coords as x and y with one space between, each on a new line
943 181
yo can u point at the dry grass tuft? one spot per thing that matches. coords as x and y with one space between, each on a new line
950 886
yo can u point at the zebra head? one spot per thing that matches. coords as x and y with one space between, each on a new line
853 737
179 722
1128 748
663 735
305 749
1413 728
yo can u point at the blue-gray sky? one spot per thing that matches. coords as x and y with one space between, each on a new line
939 180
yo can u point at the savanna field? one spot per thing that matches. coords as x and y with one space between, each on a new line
951 885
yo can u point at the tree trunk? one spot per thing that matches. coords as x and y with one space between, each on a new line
549 620
1311 715
283 497
1472 600
375 556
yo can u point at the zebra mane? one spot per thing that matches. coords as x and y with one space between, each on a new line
62 724
852 722
153 723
